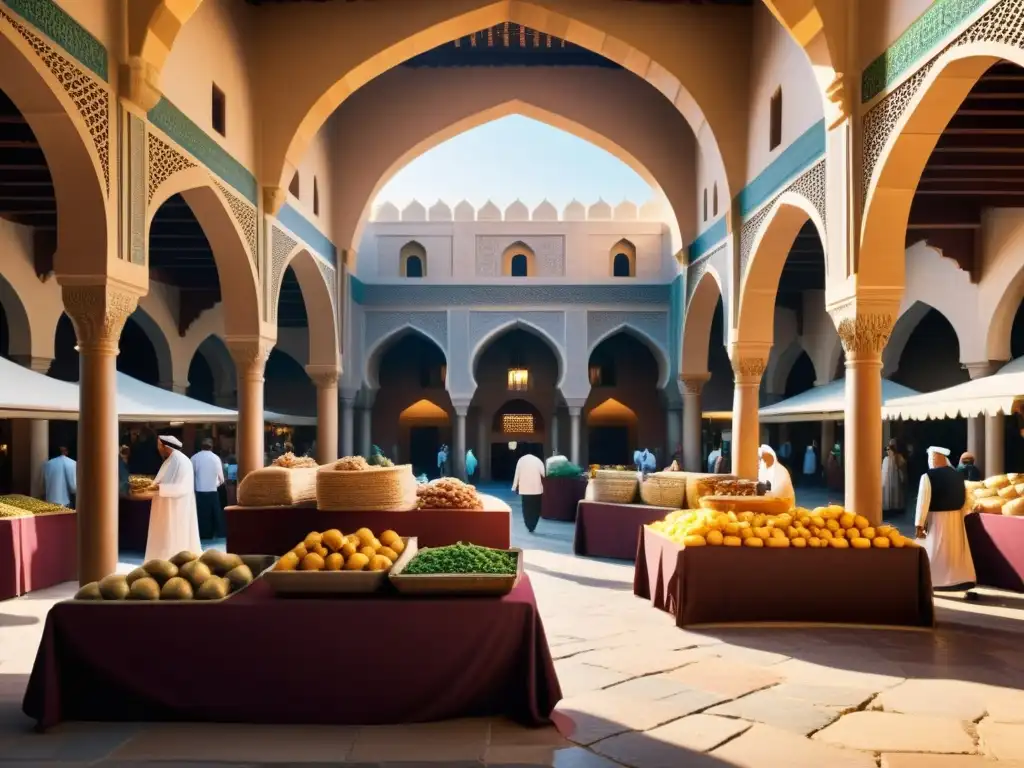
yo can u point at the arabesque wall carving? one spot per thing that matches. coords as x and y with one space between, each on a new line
164 162
245 215
281 247
90 97
1003 23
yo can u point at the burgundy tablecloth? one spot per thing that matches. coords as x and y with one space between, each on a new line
997 547
725 585
257 659
133 524
612 530
37 552
561 495
274 530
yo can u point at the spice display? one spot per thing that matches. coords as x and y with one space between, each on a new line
291 461
334 551
464 559
26 505
448 493
800 528
350 464
186 576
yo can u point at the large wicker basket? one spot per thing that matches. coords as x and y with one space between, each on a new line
377 489
664 489
613 486
277 487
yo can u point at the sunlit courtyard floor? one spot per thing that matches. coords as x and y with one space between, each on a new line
638 692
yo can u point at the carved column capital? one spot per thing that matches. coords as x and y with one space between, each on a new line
865 333
324 376
98 313
748 370
693 383
250 355
140 83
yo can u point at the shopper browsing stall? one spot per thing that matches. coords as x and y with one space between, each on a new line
173 521
941 508
209 477
529 481
775 476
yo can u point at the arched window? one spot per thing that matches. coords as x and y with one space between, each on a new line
412 260
293 188
714 197
316 198
705 203
620 266
519 266
775 120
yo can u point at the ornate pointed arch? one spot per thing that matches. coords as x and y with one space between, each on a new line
317 281
511 325
641 335
702 300
380 347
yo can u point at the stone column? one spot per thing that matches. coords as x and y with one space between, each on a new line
483 446
864 336
459 441
347 425
574 431
250 356
554 431
747 371
977 442
693 449
326 379
98 313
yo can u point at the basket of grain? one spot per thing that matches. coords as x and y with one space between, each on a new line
290 480
353 485
664 489
613 486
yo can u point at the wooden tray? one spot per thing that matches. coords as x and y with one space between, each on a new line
297 583
456 583
258 564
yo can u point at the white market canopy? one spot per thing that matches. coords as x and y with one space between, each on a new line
987 396
30 395
824 403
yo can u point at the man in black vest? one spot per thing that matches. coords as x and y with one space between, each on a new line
941 507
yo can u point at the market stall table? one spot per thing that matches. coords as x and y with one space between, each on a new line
36 552
275 530
409 660
612 530
738 585
132 523
561 495
997 548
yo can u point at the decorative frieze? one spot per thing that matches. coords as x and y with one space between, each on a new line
136 189
164 162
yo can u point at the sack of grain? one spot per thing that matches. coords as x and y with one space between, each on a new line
1009 493
1014 508
985 493
991 504
997 481
277 487
376 489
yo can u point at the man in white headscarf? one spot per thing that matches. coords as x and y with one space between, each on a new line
941 508
775 476
173 521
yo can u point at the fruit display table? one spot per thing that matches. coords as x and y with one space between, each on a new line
37 552
274 530
736 585
132 523
612 530
561 495
997 548
403 660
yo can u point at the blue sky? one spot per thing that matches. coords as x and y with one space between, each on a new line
515 157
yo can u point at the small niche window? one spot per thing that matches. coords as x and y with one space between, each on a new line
293 188
218 111
775 119
705 203
316 198
519 266
714 200
412 260
414 267
621 266
623 259
517 423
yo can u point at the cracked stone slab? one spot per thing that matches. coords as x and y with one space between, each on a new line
766 747
575 677
908 760
726 678
841 697
1003 741
892 732
771 708
672 745
648 661
800 671
955 699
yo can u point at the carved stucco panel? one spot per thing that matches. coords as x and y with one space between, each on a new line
654 325
164 162
281 246
482 324
548 250
379 325
244 214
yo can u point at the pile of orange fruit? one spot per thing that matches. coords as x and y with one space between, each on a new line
334 551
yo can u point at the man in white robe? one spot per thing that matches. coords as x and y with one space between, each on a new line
173 520
941 509
775 476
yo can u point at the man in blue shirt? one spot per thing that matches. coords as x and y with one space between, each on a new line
60 478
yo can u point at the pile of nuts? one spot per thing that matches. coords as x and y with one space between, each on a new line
448 493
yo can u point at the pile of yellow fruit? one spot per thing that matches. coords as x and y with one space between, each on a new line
822 527
333 551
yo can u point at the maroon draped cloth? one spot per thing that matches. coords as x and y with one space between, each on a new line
725 585
37 552
133 523
997 548
612 530
561 495
383 659
275 530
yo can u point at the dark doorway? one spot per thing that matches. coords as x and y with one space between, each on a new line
424 443
609 445
519 267
503 458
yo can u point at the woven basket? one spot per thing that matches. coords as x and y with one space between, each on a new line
664 489
613 487
277 487
378 489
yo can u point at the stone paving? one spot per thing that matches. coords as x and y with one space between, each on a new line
639 692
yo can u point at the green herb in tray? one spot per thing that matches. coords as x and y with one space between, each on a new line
462 558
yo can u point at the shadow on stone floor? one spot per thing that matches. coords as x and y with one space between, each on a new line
13 620
585 581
